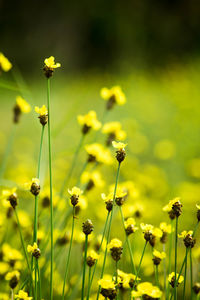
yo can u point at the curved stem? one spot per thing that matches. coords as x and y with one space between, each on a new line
51 188
69 253
128 242
109 229
84 267
165 273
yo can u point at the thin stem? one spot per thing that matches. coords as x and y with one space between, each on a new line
36 271
84 267
175 264
39 282
128 242
69 174
156 275
12 294
195 229
82 170
185 274
69 253
89 276
102 239
138 271
165 272
191 274
116 277
170 258
51 188
109 229
23 245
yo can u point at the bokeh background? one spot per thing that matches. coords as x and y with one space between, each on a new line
151 49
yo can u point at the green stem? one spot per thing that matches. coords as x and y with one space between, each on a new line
83 169
39 282
138 270
36 271
128 242
165 272
170 258
69 253
109 229
102 239
23 244
89 276
156 275
191 274
7 150
84 267
195 229
175 263
12 294
116 277
185 274
51 188
69 174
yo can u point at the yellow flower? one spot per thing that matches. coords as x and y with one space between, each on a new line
158 254
165 227
4 267
22 296
198 206
31 249
171 278
93 254
93 179
41 111
50 63
89 121
169 206
130 225
127 279
146 227
10 254
114 130
75 191
106 282
5 65
23 105
97 153
82 203
185 233
146 288
12 274
113 95
118 145
115 243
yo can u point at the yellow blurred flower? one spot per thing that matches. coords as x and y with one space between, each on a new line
5 64
23 105
106 282
23 296
159 254
97 153
147 289
89 121
42 111
165 227
171 278
169 206
12 274
50 63
115 243
75 191
113 95
164 149
118 145
114 131
92 179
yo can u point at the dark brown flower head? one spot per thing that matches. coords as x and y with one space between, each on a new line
35 187
88 227
196 288
13 200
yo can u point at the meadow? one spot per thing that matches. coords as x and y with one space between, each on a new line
82 231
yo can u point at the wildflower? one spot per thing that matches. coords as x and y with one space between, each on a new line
99 244
11 255
113 96
120 196
127 279
5 64
198 212
63 239
108 201
11 196
21 106
23 296
49 66
165 230
147 291
173 208
130 226
75 193
92 179
188 239
33 186
82 204
171 279
114 132
120 153
115 247
34 250
196 288
13 278
97 153
150 233
91 258
135 210
43 114
89 121
87 227
158 256
108 289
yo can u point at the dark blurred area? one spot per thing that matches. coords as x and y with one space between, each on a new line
100 34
